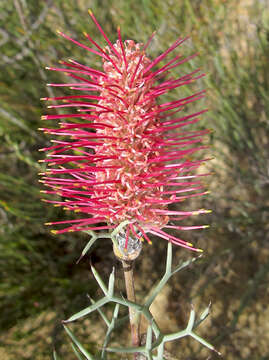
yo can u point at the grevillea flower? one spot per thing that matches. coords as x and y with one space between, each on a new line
126 156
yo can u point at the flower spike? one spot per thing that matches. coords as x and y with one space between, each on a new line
124 155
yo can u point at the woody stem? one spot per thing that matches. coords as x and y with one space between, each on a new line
128 267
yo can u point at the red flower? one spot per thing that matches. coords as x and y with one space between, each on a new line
127 156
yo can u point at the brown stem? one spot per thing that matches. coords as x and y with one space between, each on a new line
128 267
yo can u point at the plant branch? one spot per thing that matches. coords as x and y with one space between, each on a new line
128 269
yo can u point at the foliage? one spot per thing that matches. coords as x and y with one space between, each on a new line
155 340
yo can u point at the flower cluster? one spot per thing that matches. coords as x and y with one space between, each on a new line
123 156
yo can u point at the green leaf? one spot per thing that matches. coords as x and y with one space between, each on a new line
111 283
76 352
111 327
185 264
160 351
149 338
158 287
203 316
99 280
78 344
90 243
88 310
191 320
55 356
101 313
204 342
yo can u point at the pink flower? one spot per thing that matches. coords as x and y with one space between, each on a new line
126 156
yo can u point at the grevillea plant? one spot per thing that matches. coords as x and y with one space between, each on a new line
124 155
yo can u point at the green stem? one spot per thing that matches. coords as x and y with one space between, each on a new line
128 267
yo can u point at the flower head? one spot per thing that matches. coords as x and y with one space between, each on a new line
126 156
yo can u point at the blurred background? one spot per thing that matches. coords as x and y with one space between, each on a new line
40 283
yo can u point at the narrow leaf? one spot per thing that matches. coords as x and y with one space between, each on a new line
191 321
78 344
149 338
87 310
185 264
203 316
204 342
111 283
169 258
99 280
76 352
55 356
160 351
100 312
89 244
